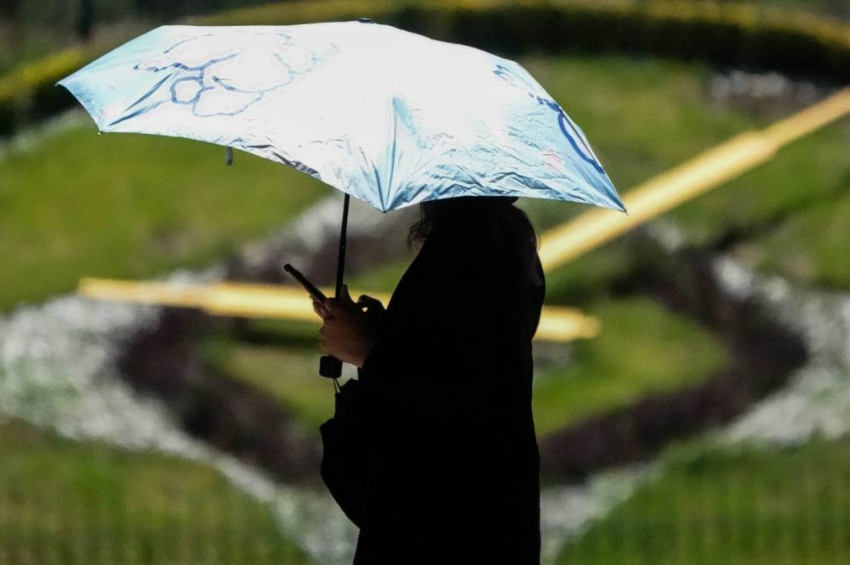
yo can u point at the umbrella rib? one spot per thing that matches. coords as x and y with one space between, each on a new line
149 93
385 198
142 110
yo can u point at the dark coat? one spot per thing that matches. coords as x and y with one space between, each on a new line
432 451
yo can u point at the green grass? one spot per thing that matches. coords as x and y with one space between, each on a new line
810 247
81 204
65 502
713 506
643 349
810 172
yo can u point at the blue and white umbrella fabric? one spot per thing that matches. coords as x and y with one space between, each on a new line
390 117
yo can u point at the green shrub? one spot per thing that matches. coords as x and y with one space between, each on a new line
739 34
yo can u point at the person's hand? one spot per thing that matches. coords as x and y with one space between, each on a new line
348 333
374 310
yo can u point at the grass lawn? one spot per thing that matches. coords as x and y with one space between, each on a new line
712 506
642 349
811 247
64 502
811 172
81 204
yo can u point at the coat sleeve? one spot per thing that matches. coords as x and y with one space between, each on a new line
343 466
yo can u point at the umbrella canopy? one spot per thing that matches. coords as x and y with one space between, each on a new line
387 116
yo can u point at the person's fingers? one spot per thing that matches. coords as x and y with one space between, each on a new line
370 302
331 305
340 307
319 309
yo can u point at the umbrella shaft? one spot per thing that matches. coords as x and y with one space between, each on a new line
330 366
340 265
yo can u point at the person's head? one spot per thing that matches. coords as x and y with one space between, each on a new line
433 212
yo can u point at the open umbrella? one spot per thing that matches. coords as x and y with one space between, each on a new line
387 116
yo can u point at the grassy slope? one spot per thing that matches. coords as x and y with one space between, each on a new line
79 204
68 502
785 506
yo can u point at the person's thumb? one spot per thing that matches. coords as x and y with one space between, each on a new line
344 293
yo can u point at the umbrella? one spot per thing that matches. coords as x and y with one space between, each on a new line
390 117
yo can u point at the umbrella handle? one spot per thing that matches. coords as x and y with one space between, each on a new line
330 367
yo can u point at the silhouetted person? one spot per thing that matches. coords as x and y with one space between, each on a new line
432 450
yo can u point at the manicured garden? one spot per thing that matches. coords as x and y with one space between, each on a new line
76 204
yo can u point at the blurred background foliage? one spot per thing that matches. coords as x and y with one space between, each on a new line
658 87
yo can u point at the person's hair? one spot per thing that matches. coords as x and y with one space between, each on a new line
431 211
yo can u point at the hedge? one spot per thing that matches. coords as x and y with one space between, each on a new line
721 33
725 34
